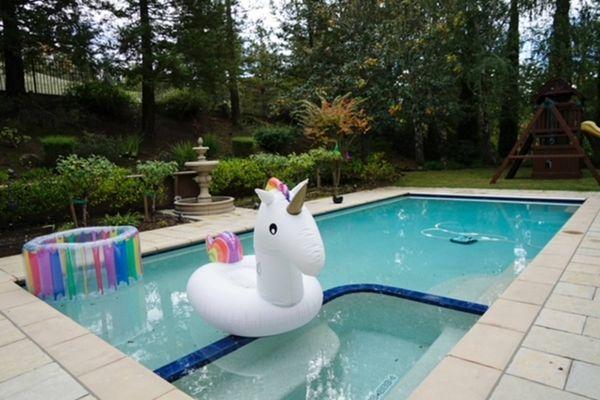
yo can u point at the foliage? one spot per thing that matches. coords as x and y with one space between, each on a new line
100 145
4 176
378 169
11 137
130 145
183 152
276 139
183 103
84 176
118 219
212 142
154 173
35 201
65 226
334 123
104 98
56 146
242 146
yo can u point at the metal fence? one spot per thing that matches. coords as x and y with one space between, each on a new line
46 76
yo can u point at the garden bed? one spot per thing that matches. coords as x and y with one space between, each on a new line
12 240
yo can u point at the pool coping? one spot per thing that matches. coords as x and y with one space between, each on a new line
461 374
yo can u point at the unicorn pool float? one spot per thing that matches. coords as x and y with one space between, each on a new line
275 290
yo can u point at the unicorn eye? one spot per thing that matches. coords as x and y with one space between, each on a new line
273 229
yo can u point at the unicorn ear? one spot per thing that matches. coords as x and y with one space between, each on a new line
297 188
265 196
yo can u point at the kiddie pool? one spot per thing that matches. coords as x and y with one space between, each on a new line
401 243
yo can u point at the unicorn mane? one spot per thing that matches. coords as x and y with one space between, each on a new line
226 248
276 184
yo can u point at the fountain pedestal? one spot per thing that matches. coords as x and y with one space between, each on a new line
204 203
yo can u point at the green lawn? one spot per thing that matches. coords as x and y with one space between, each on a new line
480 178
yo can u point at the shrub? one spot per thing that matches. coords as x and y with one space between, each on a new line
182 103
434 165
378 169
104 98
84 177
276 139
37 201
132 219
182 152
11 137
4 176
238 177
212 142
154 174
56 146
129 145
242 146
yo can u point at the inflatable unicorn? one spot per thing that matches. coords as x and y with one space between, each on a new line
275 290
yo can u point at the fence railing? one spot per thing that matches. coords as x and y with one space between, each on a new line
46 77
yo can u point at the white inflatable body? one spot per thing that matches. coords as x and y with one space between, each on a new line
274 291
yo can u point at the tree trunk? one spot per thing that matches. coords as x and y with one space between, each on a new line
560 42
509 110
148 107
420 130
232 64
12 49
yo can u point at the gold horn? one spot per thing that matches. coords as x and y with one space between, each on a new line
295 206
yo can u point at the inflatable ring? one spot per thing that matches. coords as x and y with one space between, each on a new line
274 291
82 260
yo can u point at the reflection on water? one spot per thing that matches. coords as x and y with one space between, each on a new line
379 243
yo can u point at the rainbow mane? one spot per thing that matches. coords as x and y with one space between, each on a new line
226 248
276 184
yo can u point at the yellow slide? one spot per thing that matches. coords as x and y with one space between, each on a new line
590 128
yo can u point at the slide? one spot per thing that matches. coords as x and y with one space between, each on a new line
590 128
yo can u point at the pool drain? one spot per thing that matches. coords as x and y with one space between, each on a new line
384 387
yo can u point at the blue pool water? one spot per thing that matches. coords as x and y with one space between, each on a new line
402 242
361 346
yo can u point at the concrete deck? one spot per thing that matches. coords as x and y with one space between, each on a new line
539 340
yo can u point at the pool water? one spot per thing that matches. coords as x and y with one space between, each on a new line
360 346
402 242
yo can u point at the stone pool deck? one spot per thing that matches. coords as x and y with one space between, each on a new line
539 340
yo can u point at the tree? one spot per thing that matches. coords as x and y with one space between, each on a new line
233 60
560 57
509 113
12 48
148 98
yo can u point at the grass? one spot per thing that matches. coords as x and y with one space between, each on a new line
480 178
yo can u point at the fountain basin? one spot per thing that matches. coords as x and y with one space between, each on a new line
214 205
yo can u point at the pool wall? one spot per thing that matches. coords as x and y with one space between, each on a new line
40 336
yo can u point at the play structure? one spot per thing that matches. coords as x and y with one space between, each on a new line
275 290
552 140
82 261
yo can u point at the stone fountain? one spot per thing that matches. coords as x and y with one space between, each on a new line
204 204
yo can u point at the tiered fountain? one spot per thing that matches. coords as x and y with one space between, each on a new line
204 204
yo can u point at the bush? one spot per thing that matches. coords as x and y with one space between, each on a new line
212 142
132 219
56 146
11 137
129 145
182 152
378 169
242 146
93 144
4 176
276 139
38 201
154 174
104 98
182 103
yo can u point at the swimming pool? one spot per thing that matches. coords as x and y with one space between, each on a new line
402 242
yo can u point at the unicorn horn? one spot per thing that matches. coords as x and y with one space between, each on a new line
295 206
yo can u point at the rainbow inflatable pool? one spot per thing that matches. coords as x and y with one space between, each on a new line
82 261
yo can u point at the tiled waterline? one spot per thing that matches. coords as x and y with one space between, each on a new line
84 366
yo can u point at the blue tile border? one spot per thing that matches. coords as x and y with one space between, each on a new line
204 356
